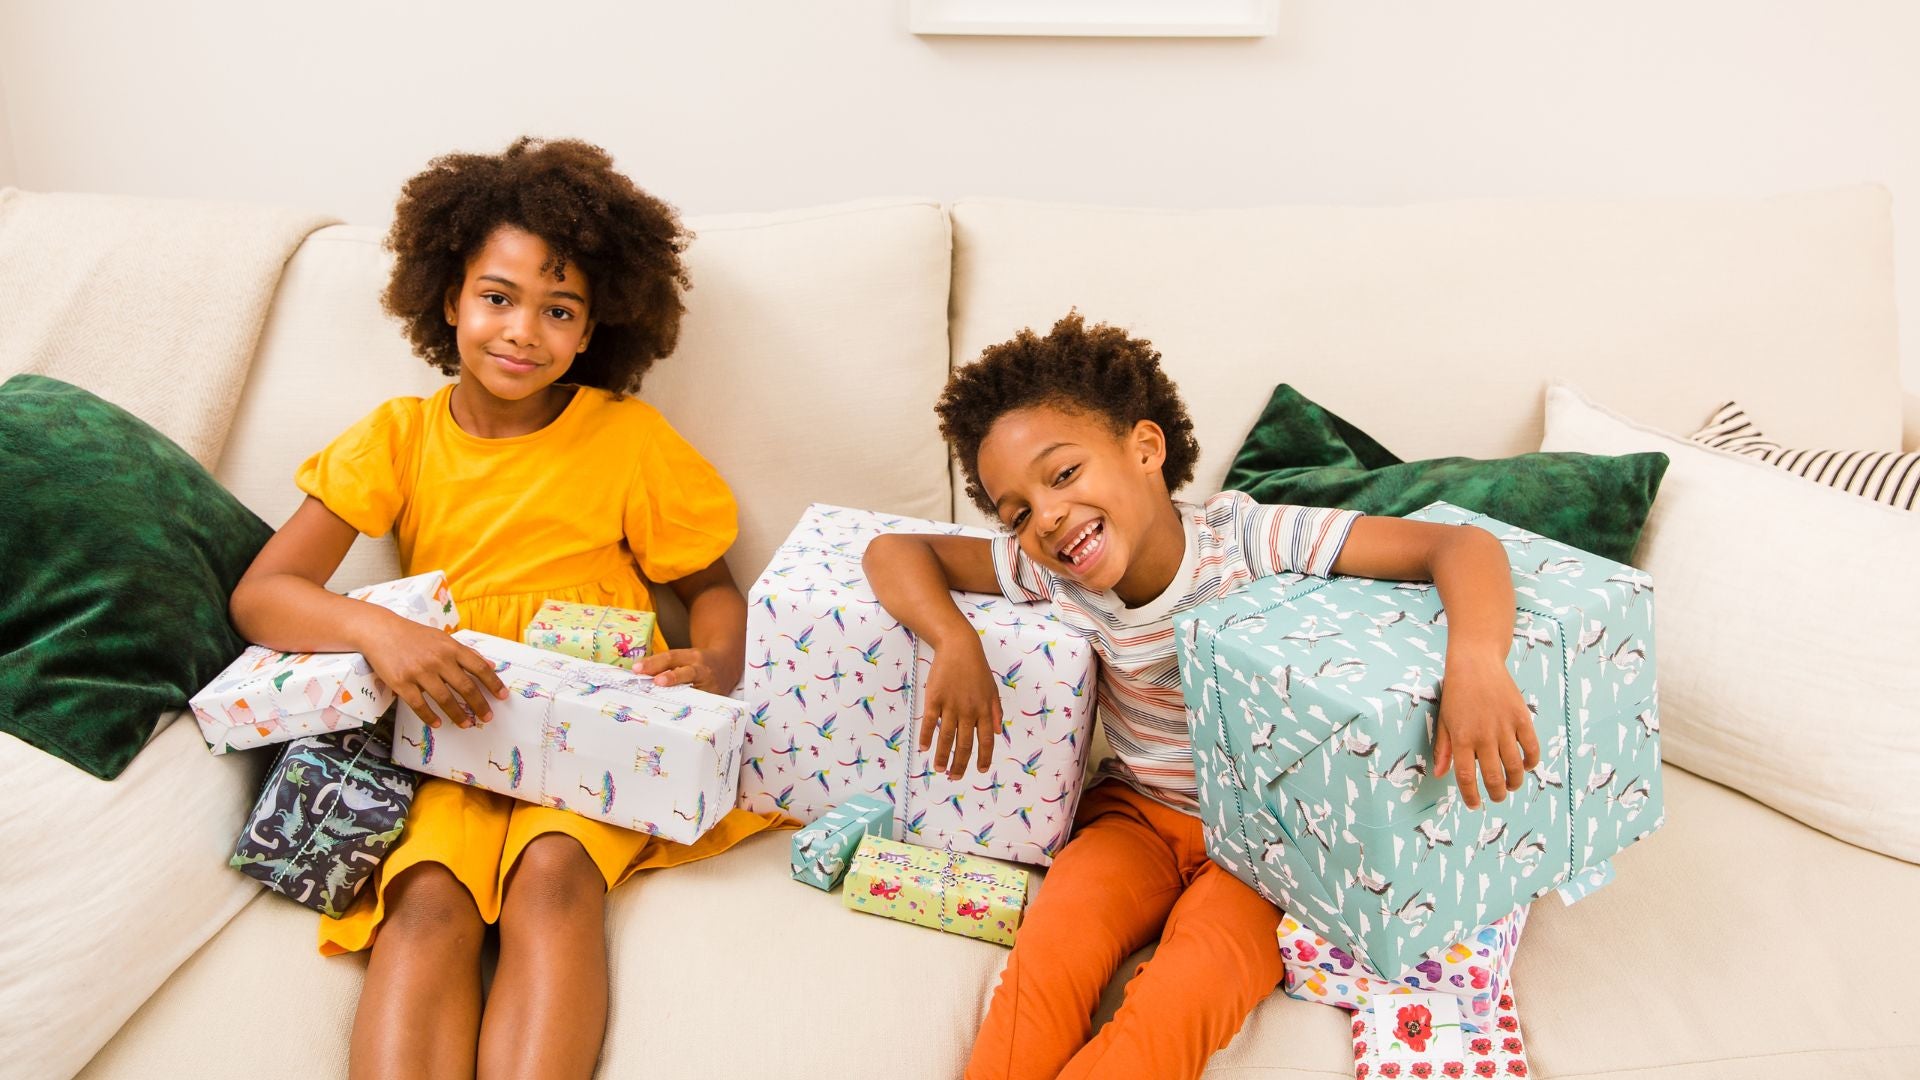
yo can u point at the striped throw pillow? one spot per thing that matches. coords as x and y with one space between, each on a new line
1885 476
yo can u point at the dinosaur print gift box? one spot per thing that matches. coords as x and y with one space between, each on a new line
592 739
1313 702
269 697
834 705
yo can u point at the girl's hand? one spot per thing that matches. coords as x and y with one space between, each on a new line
1484 723
682 667
422 664
964 704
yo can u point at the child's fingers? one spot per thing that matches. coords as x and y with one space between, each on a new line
1493 771
418 703
468 694
482 669
1516 769
1530 745
1442 752
1463 774
943 751
962 749
444 696
927 724
988 725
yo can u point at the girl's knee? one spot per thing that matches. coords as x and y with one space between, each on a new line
427 903
555 878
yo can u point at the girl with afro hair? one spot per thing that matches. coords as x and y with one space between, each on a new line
547 284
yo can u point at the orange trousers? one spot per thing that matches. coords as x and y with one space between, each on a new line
1134 870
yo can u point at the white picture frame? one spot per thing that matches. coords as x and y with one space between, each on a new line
1095 18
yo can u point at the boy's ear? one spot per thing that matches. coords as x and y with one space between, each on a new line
1149 444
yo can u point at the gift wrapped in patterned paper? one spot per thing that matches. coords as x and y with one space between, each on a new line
1313 702
604 635
595 740
821 850
332 806
1474 969
833 697
1422 1036
943 890
269 697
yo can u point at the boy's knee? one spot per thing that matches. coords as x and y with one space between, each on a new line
427 903
555 878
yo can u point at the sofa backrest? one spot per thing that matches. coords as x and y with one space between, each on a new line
814 342
1434 328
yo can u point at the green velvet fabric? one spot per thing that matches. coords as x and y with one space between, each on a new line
118 553
1302 454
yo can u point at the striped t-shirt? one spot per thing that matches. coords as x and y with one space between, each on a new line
1231 540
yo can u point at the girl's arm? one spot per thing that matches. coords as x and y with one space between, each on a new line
913 577
1484 723
716 629
282 602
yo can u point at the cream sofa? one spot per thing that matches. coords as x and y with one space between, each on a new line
1736 943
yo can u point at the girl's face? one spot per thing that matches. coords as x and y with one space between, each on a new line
518 327
1079 497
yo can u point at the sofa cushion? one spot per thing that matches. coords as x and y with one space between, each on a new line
122 552
814 344
1779 602
110 886
1434 327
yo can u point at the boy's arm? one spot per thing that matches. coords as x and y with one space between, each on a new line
716 632
913 577
1484 723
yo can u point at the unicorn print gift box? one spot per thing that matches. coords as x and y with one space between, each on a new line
592 739
834 709
270 697
1313 704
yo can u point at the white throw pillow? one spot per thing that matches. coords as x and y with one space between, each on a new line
109 886
1885 476
1787 631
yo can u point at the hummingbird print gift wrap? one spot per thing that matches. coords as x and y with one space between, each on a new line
944 890
595 740
1313 704
834 707
272 697
604 635
822 849
331 808
1474 969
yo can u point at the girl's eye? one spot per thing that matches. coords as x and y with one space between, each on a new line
494 298
1019 519
560 313
1065 474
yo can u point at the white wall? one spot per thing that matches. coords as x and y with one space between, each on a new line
6 137
749 104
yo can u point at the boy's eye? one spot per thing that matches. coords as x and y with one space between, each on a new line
1019 519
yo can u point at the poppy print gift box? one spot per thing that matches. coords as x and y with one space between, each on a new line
595 740
834 704
1313 703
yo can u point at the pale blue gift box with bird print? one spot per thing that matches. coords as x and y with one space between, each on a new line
1312 703
331 808
822 850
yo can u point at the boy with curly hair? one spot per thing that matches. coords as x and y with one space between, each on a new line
1075 442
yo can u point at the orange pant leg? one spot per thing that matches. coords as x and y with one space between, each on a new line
1108 894
1218 958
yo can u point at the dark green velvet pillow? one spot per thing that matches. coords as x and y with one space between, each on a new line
1302 454
118 553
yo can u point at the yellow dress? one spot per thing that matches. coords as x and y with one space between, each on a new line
575 511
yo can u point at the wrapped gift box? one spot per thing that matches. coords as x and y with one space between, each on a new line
821 850
1421 1037
272 697
1313 703
1475 969
834 708
595 740
604 635
331 807
944 890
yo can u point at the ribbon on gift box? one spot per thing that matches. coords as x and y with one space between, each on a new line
1002 893
603 635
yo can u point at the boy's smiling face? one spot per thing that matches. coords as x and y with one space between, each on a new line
1086 502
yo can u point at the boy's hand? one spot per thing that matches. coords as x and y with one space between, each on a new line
682 667
1484 723
422 664
964 704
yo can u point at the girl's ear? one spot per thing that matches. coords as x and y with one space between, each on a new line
453 305
587 337
1149 444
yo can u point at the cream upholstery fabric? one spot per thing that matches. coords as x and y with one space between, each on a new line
1434 328
1777 601
108 887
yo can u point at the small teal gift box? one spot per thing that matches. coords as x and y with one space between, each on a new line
1313 703
822 850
